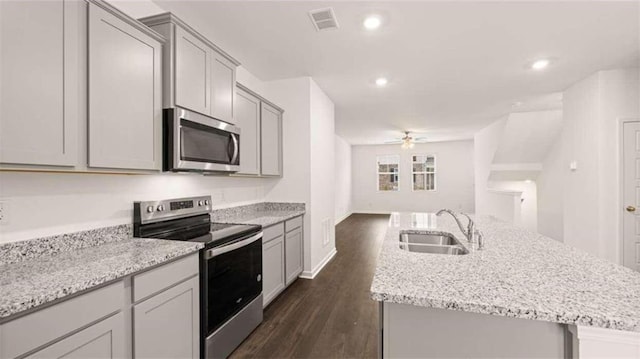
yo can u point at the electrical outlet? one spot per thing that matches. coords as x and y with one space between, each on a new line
4 212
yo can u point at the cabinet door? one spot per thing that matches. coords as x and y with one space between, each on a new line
271 144
104 339
293 245
223 88
193 80
38 112
248 120
125 106
167 325
273 280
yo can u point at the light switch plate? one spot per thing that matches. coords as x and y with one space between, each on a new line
573 165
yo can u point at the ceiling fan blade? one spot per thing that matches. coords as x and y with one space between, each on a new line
393 142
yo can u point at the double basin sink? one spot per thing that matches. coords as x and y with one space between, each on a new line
435 243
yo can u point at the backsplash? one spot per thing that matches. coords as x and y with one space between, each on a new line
46 204
13 252
240 211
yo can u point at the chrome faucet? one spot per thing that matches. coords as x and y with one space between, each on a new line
470 226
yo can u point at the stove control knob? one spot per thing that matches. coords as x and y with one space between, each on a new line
160 208
150 209
200 203
206 202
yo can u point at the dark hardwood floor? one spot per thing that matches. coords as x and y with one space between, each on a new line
332 315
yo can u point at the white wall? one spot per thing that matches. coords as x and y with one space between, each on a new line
591 208
308 161
519 209
43 204
550 190
322 185
454 179
343 179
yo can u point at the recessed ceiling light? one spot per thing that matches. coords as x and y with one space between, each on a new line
381 81
540 64
517 104
372 22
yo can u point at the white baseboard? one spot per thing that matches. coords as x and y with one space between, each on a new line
319 267
342 218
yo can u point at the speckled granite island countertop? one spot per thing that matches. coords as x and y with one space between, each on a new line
264 214
519 274
40 271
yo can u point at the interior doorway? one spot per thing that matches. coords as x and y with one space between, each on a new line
631 194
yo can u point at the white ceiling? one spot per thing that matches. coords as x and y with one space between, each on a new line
453 67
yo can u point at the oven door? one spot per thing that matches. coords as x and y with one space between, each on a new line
233 278
200 143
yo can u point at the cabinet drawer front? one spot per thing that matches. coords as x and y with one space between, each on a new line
292 224
272 232
39 328
104 339
155 280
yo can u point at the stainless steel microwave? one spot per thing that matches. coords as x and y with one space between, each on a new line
193 142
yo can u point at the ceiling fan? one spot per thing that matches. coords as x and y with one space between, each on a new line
407 141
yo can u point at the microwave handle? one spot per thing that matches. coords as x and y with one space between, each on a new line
234 155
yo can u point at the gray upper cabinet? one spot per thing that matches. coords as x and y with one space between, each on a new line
271 140
223 88
193 80
248 120
200 76
125 92
38 72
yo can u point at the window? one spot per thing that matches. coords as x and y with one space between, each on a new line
388 168
424 172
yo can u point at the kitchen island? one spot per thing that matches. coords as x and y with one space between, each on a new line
523 295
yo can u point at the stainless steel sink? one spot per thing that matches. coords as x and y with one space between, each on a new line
431 243
428 238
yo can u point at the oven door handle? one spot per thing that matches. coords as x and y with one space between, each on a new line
214 252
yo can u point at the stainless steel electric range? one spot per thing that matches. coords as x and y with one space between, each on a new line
230 267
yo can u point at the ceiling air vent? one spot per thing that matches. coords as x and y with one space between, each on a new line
323 19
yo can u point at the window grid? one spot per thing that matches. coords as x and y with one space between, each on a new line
423 172
388 169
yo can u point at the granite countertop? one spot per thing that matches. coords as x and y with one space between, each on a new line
519 274
264 214
73 265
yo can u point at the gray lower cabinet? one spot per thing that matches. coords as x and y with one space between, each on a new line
273 275
282 257
125 93
38 102
163 317
293 254
103 340
175 311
